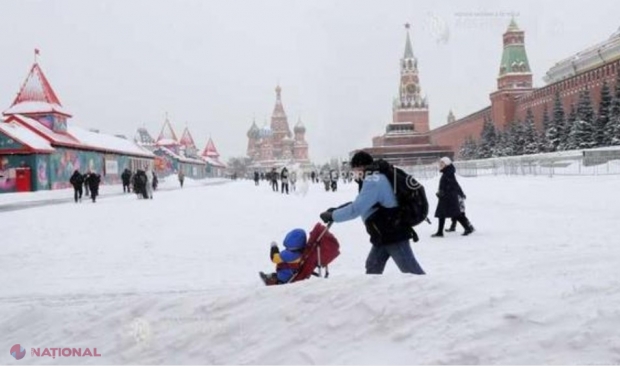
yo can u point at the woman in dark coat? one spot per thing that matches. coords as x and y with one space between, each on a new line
448 194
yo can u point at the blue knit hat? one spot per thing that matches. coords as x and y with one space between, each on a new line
295 239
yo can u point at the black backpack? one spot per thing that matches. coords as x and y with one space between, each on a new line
410 194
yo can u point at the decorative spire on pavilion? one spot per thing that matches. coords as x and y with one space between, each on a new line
167 135
36 96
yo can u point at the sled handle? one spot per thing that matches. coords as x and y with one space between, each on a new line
318 247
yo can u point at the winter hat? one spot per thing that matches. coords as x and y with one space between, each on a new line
446 160
361 158
295 239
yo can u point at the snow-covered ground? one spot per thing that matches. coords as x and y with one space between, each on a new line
174 280
170 182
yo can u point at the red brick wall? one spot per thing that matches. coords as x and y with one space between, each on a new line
454 134
506 104
569 92
419 119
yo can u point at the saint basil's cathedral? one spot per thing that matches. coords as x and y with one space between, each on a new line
274 145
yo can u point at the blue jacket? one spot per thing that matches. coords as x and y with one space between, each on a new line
375 189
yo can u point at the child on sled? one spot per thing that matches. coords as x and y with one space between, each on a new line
287 261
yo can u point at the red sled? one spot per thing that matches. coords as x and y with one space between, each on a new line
321 250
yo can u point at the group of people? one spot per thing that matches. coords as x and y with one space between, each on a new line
142 182
376 203
288 180
88 182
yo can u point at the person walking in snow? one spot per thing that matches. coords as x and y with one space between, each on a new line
86 187
126 179
94 180
274 180
77 181
376 204
256 178
181 178
448 194
284 180
293 180
149 183
334 179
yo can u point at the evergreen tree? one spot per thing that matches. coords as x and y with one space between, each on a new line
613 127
499 145
517 138
602 136
571 121
542 140
555 134
488 140
507 140
468 150
583 130
530 137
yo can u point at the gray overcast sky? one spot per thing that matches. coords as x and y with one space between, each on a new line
213 65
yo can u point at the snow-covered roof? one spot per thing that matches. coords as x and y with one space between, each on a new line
179 157
35 107
143 137
187 140
210 150
167 142
214 161
167 134
51 136
25 136
36 96
105 142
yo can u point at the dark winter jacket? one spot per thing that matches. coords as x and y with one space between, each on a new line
376 203
448 194
93 181
76 180
126 177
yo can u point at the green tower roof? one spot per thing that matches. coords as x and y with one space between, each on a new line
514 57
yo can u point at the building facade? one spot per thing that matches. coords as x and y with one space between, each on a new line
274 145
40 148
515 94
407 137
174 155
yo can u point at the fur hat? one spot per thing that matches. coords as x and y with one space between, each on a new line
446 160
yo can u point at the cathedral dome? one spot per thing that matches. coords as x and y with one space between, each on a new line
265 131
253 132
299 127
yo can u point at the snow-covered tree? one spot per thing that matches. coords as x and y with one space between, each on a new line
602 136
469 149
530 137
488 140
516 142
613 126
570 126
583 128
555 132
542 140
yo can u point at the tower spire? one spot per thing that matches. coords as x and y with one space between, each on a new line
408 48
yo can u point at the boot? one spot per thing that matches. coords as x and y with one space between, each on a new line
437 235
452 227
268 279
470 229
